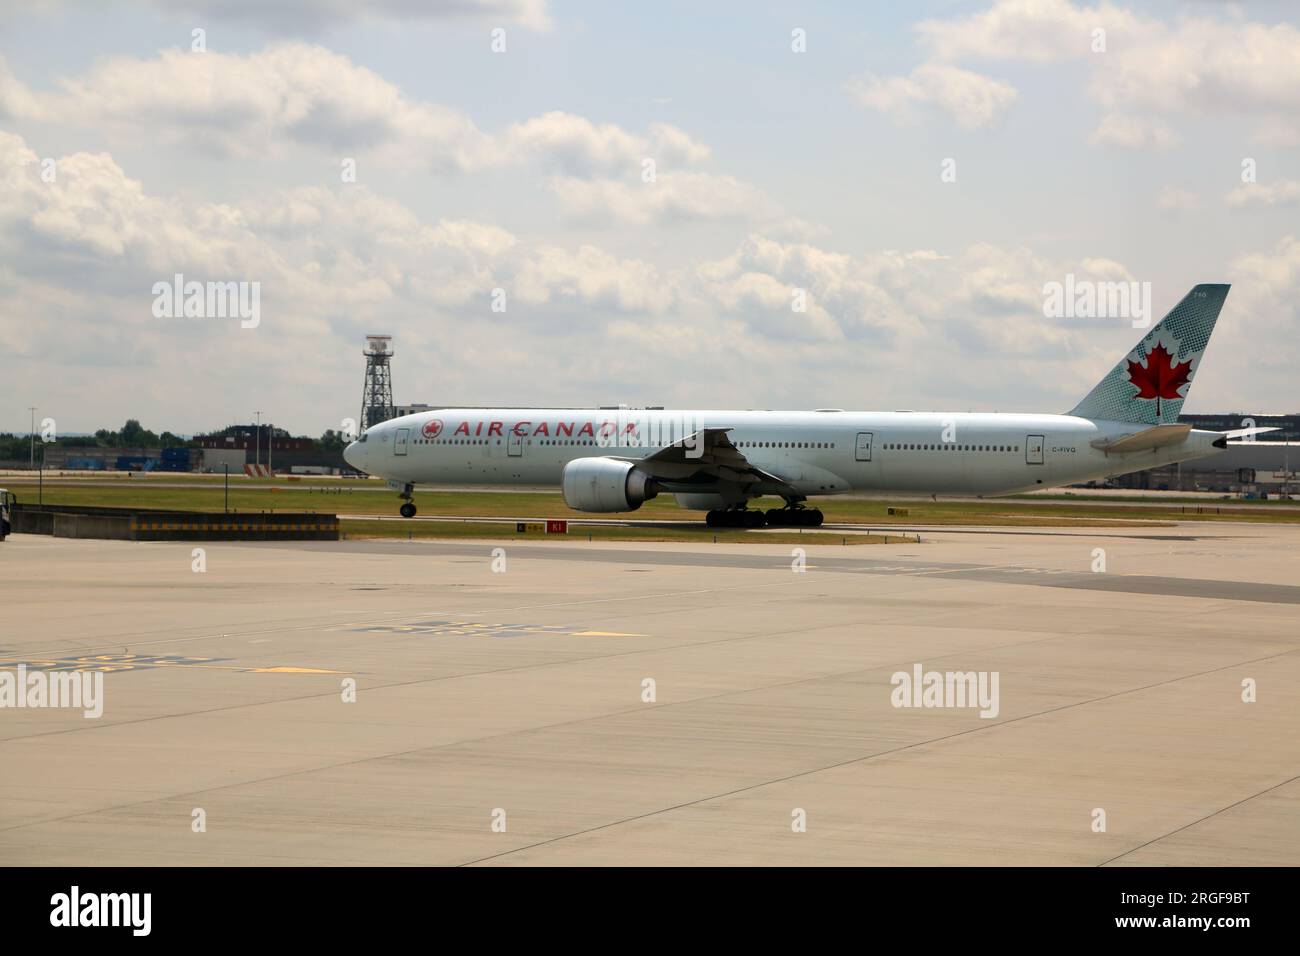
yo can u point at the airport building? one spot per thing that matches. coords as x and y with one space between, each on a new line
1265 466
401 410
93 458
1288 426
1248 468
262 445
231 449
256 440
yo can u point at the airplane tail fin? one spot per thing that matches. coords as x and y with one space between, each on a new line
1149 384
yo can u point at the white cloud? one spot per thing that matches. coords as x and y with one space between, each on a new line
1281 192
92 209
310 15
591 276
302 95
1132 132
972 99
1196 65
1262 314
1175 197
986 297
1275 274
917 328
676 197
1205 66
1035 30
578 146
15 99
1105 270
1278 131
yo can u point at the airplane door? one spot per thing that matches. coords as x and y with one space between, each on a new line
514 445
862 450
399 441
1033 449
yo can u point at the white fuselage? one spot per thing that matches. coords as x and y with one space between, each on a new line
817 453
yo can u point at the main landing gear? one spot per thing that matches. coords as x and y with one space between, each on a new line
793 515
408 506
735 518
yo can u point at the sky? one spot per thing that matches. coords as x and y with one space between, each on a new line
722 205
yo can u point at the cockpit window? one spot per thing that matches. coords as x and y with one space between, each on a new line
363 437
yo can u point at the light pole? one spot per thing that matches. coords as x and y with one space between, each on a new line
257 455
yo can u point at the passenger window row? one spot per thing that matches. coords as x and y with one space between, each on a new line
488 441
587 441
946 446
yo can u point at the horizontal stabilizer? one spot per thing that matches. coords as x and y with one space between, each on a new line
1146 440
1246 432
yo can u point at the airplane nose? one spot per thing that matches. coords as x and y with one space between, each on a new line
352 455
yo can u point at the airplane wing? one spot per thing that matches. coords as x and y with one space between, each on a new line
708 446
704 457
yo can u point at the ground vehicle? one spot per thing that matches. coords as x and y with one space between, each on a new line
7 500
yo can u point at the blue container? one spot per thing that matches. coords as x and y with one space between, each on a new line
136 463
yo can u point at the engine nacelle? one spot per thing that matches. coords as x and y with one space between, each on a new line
605 484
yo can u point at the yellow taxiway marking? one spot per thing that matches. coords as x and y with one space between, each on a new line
245 670
127 664
603 634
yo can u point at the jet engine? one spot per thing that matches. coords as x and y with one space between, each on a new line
605 484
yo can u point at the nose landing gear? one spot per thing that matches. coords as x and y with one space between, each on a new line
408 506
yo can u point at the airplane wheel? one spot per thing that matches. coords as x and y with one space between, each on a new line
735 518
408 510
794 518
786 517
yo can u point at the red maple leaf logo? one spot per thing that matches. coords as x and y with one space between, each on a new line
1161 378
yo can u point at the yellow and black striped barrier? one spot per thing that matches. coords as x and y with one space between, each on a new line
231 526
285 527
135 524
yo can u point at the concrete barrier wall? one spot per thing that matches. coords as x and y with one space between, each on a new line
144 525
32 522
92 526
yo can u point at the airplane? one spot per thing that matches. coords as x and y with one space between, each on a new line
609 460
